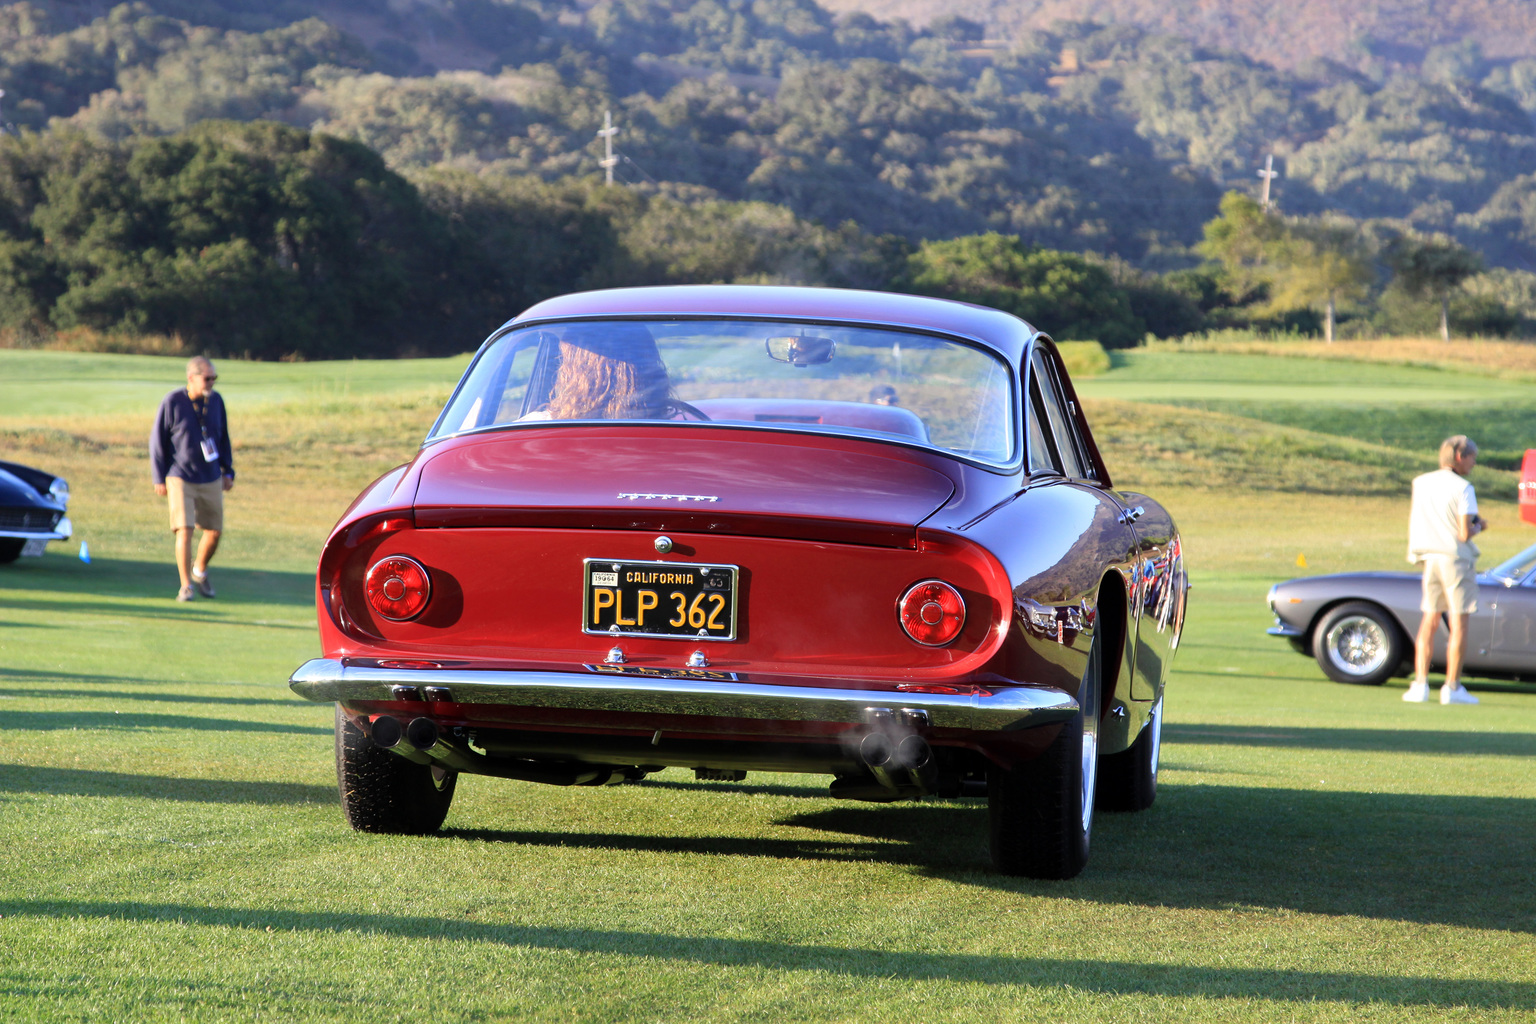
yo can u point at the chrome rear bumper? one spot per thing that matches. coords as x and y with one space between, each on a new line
1017 707
62 530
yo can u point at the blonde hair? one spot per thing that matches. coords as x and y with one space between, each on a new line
1454 448
590 385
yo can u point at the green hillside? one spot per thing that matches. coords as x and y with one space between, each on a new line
1074 135
368 178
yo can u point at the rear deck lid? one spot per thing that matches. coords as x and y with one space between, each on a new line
693 478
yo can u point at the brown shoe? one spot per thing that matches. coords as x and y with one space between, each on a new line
186 593
202 583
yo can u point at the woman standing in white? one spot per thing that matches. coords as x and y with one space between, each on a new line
1441 526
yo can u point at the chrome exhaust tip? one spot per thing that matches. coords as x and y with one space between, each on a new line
877 751
423 733
386 732
915 757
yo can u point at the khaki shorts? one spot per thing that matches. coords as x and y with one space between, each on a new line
1450 585
195 504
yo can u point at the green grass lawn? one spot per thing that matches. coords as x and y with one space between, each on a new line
1408 407
174 848
65 384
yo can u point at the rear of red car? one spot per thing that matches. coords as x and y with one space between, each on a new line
724 543
651 614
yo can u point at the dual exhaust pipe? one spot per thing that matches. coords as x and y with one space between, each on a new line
895 769
895 766
419 736
421 740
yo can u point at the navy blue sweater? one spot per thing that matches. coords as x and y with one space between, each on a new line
175 442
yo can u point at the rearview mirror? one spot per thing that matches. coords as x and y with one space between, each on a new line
801 350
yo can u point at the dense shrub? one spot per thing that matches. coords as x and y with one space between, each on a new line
1061 293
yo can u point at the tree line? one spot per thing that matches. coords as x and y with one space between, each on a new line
262 240
1083 137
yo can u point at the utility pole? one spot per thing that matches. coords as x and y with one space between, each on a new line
1267 173
609 161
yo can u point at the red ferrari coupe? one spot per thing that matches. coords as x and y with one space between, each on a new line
736 529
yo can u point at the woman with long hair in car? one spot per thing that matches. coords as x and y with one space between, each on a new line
609 371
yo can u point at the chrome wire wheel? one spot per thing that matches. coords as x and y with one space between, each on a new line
1357 645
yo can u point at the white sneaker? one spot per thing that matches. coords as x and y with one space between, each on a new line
1456 695
1417 693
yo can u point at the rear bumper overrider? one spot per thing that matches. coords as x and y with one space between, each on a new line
1008 709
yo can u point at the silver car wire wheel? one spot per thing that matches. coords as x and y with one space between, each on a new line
1357 645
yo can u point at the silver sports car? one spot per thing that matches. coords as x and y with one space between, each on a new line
1360 625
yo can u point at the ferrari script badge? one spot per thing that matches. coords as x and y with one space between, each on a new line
638 496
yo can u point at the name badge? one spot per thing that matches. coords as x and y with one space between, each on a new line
210 450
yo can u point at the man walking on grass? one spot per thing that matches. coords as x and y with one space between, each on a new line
190 461
1441 525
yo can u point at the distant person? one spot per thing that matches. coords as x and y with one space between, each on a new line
1441 525
883 394
190 461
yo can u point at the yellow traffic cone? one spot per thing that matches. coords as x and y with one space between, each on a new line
1301 561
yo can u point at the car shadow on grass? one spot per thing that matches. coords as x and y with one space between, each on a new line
1405 741
715 845
48 781
1105 977
49 721
1452 860
227 614
28 675
810 792
126 578
151 697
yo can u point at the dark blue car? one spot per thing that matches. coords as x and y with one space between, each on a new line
32 505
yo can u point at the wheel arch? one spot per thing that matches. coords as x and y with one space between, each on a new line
1113 624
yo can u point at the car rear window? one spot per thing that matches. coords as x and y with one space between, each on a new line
865 382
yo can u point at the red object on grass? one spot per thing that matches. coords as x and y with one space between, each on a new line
1528 487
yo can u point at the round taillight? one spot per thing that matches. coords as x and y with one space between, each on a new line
398 588
932 612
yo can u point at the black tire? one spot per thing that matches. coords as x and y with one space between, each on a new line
1128 780
10 549
383 792
1360 643
1040 814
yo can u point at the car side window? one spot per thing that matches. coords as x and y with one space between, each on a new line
1074 429
1068 448
1042 450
